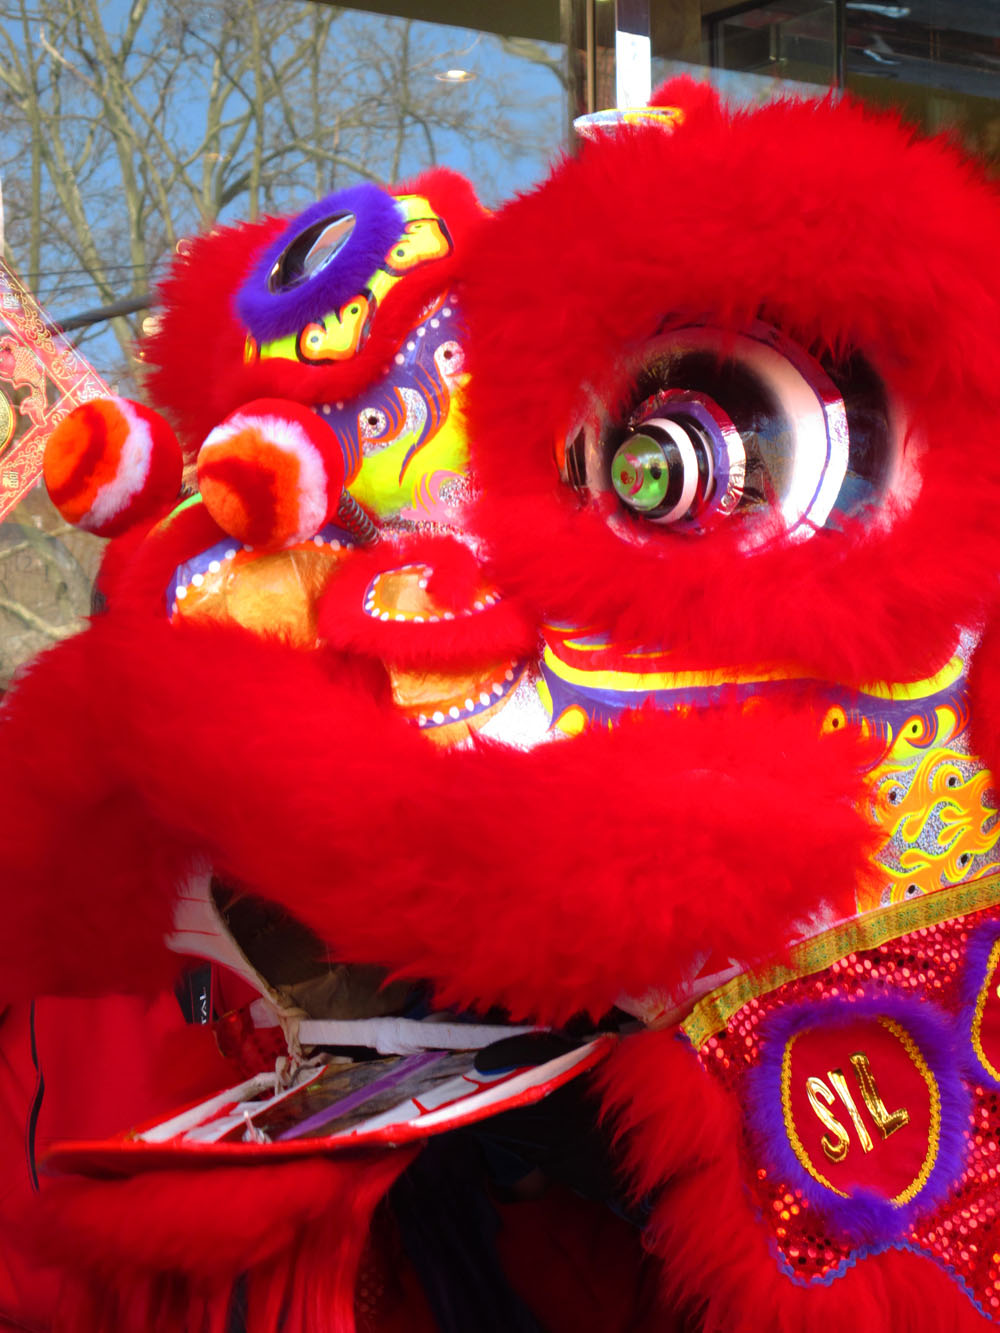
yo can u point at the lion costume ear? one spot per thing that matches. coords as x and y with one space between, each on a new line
693 97
674 103
112 464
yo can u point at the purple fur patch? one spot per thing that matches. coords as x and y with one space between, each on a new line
977 960
866 1216
378 221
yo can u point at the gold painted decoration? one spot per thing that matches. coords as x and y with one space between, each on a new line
984 1026
42 378
273 594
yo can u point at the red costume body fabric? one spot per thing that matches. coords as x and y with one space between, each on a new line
581 618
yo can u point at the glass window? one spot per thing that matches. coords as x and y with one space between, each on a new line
937 60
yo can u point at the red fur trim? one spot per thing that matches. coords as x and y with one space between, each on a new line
197 350
695 97
197 372
547 881
87 881
455 583
579 1267
984 696
163 1250
780 213
682 1136
140 576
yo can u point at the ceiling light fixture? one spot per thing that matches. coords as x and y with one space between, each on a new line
455 76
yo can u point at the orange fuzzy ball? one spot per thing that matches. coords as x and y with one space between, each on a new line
271 474
111 464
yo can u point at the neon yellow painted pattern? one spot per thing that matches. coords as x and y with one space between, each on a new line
380 283
977 1018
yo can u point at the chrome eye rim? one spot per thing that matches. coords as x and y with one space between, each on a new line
801 471
311 252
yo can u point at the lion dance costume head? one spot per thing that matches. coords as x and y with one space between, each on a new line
580 619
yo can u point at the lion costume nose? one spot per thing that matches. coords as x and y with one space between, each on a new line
272 473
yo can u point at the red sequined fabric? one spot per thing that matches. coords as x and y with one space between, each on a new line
962 1233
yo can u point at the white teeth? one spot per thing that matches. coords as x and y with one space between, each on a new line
484 699
214 567
421 583
438 717
411 346
399 358
446 312
470 705
317 540
453 712
399 616
384 615
449 615
508 675
433 620
325 409
182 592
498 690
422 720
334 546
231 553
479 606
197 580
340 407
418 620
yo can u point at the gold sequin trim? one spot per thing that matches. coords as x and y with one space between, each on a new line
977 1018
713 1011
934 1129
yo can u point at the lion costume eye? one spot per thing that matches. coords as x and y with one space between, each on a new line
722 426
310 252
372 423
664 471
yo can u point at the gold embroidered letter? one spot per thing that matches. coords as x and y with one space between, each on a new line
836 1077
820 1099
887 1121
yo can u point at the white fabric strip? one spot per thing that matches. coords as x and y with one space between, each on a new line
404 1036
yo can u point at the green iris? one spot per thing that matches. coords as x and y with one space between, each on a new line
640 473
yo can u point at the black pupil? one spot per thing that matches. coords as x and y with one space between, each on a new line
311 251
